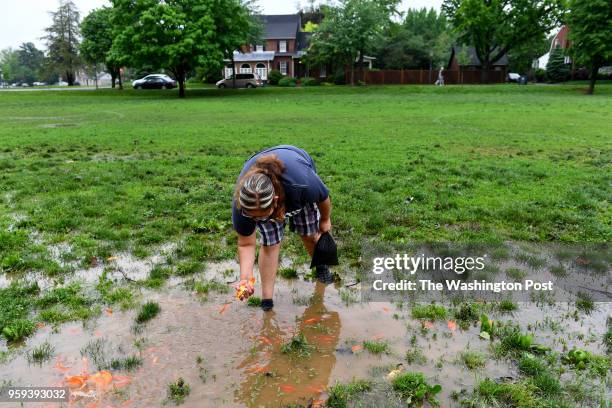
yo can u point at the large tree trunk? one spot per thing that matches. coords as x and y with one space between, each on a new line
119 77
113 75
233 71
593 79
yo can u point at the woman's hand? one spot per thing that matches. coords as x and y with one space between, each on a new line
324 226
245 288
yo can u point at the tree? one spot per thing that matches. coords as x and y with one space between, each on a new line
495 27
349 30
98 32
556 69
423 39
31 61
591 35
63 40
520 59
180 35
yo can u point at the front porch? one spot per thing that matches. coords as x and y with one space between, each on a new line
259 63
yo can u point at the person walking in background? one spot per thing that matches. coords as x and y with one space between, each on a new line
440 81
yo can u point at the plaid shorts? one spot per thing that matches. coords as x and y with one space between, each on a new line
304 221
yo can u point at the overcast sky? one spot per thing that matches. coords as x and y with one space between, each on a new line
25 20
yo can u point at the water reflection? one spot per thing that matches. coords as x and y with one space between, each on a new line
273 378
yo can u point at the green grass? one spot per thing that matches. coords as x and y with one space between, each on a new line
178 391
473 359
414 389
147 312
482 162
288 273
41 353
341 394
431 312
376 346
298 346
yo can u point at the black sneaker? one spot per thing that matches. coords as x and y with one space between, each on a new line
324 275
267 304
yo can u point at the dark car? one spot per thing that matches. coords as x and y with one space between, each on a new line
154 82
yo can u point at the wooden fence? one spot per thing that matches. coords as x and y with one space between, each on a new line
424 76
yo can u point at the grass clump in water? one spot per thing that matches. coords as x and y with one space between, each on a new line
415 390
147 312
288 273
128 364
41 353
376 346
473 359
178 391
415 356
298 345
585 303
430 312
254 301
507 306
340 395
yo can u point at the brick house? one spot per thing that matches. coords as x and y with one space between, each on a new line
560 40
282 47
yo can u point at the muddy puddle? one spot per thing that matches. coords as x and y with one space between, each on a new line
233 355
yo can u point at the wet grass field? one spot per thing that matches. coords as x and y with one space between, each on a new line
115 208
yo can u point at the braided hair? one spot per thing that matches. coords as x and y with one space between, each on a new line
260 184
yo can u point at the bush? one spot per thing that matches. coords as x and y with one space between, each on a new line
540 75
308 81
339 78
287 81
414 389
274 76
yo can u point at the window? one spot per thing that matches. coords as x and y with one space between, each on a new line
259 48
323 71
245 69
282 46
283 67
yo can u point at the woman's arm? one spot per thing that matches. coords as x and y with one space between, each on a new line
325 210
246 255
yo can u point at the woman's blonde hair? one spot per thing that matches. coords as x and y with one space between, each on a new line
260 184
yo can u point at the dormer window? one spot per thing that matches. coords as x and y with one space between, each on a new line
282 46
259 48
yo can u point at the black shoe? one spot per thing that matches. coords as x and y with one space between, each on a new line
267 304
324 275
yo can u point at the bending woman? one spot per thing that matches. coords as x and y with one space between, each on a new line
276 185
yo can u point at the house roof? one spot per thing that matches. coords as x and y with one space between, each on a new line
471 51
280 26
253 56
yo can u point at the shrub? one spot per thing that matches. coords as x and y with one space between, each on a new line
287 81
178 391
308 81
288 273
540 75
274 76
18 330
339 78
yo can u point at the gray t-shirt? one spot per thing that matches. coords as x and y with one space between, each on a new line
300 180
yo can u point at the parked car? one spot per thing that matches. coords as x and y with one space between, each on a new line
242 81
39 83
154 81
62 83
513 77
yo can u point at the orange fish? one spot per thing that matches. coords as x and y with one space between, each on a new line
101 379
256 369
112 258
312 320
75 381
378 336
287 388
452 326
40 325
109 311
428 325
356 348
223 308
61 367
315 389
386 309
266 340
325 338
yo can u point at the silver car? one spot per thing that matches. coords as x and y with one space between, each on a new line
242 81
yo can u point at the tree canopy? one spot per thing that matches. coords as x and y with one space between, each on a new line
180 35
590 24
495 27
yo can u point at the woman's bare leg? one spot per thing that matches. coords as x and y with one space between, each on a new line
268 265
309 242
